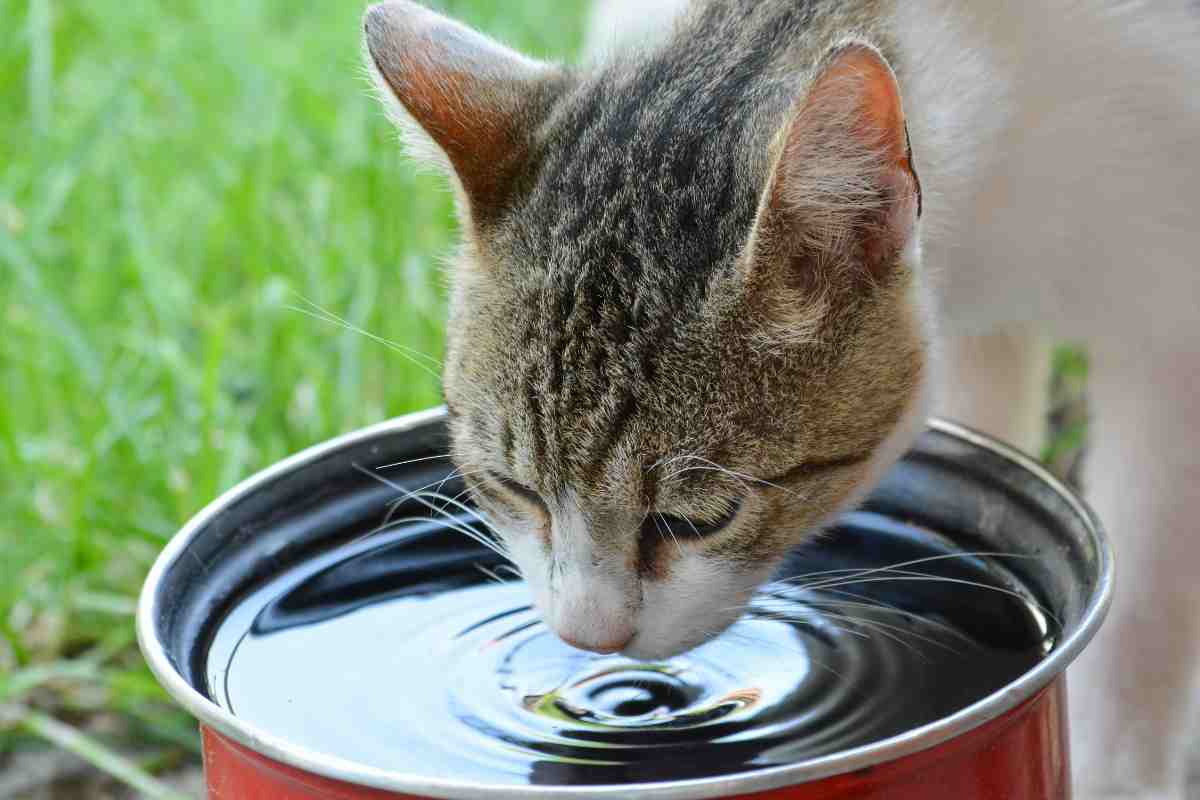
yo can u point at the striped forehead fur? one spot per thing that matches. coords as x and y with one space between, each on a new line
600 323
640 204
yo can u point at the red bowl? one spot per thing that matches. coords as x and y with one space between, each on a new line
1011 745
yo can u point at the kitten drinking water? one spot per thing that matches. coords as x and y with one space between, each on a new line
712 284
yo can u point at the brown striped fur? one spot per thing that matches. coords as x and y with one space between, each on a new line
694 292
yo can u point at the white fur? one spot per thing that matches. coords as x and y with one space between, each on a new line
592 598
588 597
592 601
619 22
701 597
1074 216
1058 143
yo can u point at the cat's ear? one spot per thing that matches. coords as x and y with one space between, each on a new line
462 100
843 192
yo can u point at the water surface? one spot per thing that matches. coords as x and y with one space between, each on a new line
398 652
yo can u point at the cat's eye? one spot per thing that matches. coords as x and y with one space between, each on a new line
519 490
676 527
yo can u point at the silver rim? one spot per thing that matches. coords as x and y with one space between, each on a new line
990 708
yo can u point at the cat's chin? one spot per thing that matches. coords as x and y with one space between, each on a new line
659 651
659 648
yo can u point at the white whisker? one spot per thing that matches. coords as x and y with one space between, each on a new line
408 352
883 628
660 523
396 504
888 567
490 574
922 578
879 605
422 497
710 466
413 461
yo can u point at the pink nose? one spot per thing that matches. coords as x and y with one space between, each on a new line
603 646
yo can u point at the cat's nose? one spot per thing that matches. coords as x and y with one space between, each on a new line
604 644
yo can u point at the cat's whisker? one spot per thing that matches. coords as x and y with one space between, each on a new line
660 524
783 616
428 500
874 629
818 606
921 578
879 605
409 353
393 507
739 476
664 460
863 628
449 477
758 641
466 530
462 506
455 475
912 563
890 572
330 316
454 503
421 497
420 494
399 502
463 494
798 585
491 574
396 464
897 631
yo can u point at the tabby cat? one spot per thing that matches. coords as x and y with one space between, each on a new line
713 282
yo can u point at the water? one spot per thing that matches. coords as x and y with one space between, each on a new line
397 652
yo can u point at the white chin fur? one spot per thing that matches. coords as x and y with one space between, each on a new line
699 600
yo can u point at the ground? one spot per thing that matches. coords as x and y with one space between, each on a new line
186 189
179 184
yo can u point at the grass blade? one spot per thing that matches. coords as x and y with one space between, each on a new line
94 752
41 65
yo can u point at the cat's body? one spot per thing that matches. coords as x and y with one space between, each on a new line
1056 139
695 284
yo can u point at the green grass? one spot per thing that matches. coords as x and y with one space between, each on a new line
174 177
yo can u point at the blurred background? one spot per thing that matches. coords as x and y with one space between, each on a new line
176 180
190 191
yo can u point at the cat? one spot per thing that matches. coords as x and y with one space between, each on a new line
713 282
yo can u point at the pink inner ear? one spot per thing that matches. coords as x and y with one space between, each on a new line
846 177
451 105
468 93
876 97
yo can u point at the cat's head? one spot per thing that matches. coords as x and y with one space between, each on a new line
684 329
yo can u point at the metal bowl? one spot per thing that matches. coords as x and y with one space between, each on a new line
1008 745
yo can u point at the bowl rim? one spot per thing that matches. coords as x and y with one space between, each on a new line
925 737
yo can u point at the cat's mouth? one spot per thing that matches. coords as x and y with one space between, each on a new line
642 650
